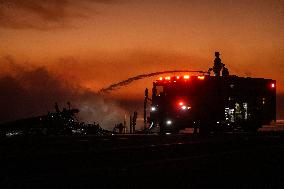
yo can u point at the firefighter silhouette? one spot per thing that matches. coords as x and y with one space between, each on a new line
56 107
69 105
120 128
225 71
154 91
217 64
146 93
134 121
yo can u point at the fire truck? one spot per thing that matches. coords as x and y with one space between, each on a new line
212 103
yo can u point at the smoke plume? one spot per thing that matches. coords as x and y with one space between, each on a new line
44 14
32 91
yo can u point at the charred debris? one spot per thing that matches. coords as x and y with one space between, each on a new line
59 122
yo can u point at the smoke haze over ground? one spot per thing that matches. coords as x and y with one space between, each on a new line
32 91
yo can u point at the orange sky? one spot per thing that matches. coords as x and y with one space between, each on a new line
98 42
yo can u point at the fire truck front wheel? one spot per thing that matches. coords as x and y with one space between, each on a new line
204 128
251 127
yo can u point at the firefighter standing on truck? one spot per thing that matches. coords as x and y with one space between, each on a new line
218 65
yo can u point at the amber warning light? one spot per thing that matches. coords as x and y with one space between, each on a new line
186 77
201 77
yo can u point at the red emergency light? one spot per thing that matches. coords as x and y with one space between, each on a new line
180 103
183 106
272 85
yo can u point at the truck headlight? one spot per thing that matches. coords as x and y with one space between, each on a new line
153 108
169 122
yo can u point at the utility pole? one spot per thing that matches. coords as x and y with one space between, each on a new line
134 121
145 108
124 121
130 124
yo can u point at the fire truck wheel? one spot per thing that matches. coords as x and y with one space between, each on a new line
252 127
204 129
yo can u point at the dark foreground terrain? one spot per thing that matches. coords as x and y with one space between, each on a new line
239 160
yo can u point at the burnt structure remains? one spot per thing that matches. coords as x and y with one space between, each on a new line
60 122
